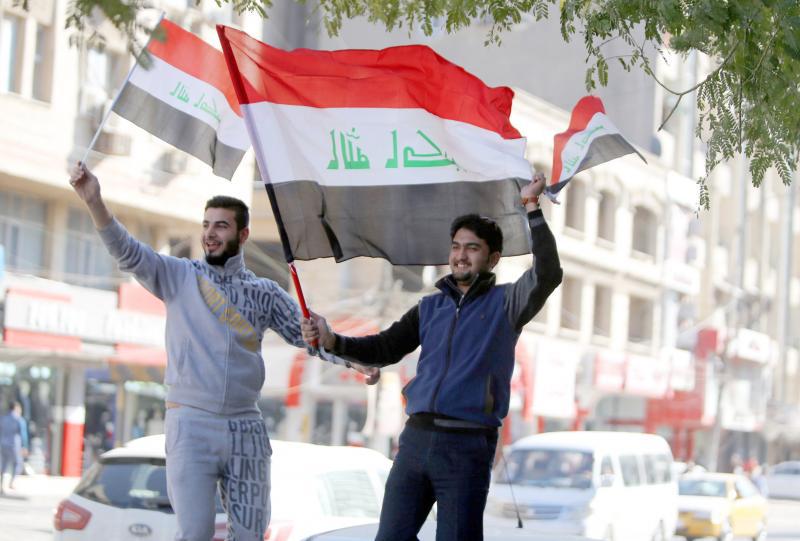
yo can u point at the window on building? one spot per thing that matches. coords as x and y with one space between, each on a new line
105 72
87 261
602 310
571 303
640 320
606 216
574 205
12 35
22 232
644 231
43 64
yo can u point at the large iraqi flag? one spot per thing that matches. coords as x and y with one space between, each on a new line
374 152
187 99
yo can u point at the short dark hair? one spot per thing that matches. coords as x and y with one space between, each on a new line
485 228
231 203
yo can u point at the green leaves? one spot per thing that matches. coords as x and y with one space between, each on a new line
749 103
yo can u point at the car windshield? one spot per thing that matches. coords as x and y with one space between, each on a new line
129 483
702 487
546 468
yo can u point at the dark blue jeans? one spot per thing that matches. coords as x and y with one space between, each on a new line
451 469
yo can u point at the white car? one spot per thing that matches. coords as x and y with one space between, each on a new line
602 485
783 480
428 533
315 488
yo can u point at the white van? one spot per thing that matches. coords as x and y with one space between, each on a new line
615 486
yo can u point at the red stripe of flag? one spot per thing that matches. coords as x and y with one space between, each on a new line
406 77
190 54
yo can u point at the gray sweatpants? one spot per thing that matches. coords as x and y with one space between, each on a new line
205 450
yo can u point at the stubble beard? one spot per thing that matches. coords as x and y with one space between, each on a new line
231 249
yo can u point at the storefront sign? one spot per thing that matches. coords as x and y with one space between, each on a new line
28 311
554 379
609 371
682 376
749 345
647 376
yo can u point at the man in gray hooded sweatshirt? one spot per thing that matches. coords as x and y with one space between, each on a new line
217 313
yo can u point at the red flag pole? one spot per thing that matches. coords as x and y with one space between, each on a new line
300 297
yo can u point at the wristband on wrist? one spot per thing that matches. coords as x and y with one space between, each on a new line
532 199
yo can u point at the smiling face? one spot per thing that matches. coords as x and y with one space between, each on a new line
469 256
221 238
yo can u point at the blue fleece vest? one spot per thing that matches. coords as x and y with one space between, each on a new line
467 358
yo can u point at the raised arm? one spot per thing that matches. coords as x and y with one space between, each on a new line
381 349
159 274
525 297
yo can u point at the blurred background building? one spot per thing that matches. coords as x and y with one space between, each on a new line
668 320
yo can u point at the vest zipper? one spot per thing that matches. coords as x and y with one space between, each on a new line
432 406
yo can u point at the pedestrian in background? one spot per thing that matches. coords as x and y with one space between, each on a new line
13 443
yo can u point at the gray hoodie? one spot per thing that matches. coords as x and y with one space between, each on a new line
216 318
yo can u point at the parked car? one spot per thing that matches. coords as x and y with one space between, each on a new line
315 488
720 505
428 533
783 480
603 485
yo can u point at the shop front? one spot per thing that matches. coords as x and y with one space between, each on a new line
60 346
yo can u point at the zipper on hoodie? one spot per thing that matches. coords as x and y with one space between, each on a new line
432 406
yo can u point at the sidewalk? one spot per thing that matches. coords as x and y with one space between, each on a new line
26 513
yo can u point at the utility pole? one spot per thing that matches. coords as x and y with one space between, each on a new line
721 367
785 312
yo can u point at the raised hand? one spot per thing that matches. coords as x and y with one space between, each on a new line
84 183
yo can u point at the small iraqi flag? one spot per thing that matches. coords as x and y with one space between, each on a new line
374 152
186 99
590 140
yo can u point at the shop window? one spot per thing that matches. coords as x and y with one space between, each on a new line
571 303
574 197
606 216
602 310
22 232
644 231
640 320
87 261
12 39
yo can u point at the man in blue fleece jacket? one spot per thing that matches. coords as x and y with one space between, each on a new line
460 394
217 314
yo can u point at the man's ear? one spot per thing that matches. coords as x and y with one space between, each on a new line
494 259
244 234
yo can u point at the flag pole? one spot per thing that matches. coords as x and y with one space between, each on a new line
119 93
261 163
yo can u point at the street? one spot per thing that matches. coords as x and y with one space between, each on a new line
26 514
